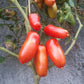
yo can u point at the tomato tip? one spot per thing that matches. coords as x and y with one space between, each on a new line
61 68
67 35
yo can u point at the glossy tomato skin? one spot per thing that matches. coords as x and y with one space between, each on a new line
55 53
49 2
35 21
41 61
29 47
57 32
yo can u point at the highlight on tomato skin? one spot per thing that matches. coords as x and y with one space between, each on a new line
29 47
41 61
57 32
49 2
55 53
35 21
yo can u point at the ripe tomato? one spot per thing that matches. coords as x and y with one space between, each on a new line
34 21
29 48
49 2
55 53
41 61
57 32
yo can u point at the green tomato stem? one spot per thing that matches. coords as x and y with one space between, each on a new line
11 53
50 66
77 33
36 77
29 7
28 28
10 7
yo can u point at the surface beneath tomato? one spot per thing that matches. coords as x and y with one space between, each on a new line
29 48
41 61
55 53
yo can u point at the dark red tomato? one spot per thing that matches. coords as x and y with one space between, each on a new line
55 53
29 48
49 2
57 32
34 21
41 61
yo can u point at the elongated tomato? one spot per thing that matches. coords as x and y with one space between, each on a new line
29 48
55 53
49 2
41 61
34 21
57 32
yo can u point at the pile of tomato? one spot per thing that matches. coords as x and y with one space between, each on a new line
32 49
